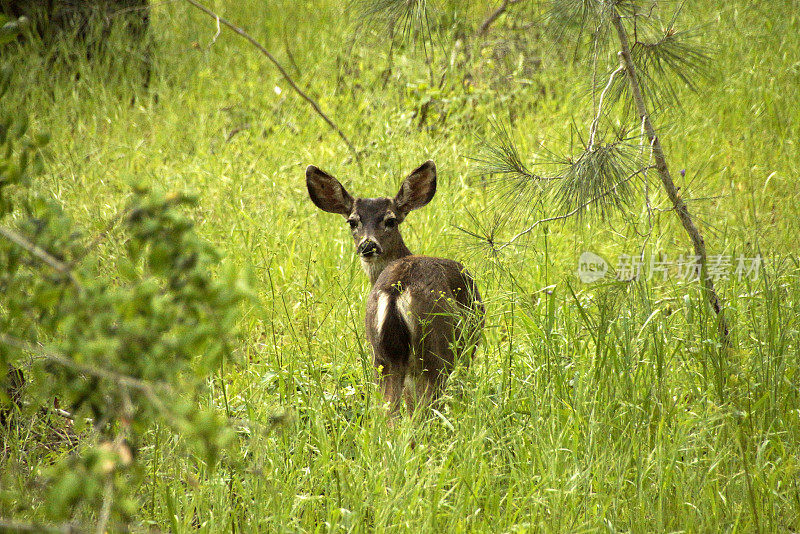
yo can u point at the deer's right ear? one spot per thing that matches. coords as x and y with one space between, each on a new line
327 193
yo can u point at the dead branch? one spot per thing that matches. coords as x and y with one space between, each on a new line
494 15
283 72
593 129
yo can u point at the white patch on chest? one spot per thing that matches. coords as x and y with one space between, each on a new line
373 268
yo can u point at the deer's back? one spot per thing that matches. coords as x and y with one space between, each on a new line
420 300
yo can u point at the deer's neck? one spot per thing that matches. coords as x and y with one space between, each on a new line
375 266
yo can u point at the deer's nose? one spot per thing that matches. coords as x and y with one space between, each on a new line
369 247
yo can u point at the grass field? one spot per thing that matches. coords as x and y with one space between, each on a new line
589 407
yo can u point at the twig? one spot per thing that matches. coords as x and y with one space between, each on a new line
214 39
35 250
571 213
666 178
240 128
283 72
494 15
593 128
98 372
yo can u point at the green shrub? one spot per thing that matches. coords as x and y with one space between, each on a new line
117 348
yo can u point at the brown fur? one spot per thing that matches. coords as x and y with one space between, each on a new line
445 314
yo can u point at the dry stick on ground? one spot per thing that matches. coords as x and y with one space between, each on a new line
666 179
283 72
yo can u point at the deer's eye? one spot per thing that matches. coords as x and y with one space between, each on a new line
390 222
353 223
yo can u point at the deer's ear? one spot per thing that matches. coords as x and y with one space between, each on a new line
327 193
417 189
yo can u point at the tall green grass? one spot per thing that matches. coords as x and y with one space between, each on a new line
605 407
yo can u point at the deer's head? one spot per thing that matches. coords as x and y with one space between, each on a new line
374 222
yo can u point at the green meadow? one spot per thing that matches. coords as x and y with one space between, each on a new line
609 406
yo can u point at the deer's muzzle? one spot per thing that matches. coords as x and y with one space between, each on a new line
369 248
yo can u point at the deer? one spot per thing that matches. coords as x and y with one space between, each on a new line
423 313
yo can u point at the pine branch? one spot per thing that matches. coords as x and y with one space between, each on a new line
666 178
574 212
403 17
501 156
585 180
664 61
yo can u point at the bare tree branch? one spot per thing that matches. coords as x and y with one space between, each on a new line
283 72
666 178
40 253
494 15
593 129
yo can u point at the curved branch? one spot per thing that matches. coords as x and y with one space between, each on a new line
289 80
593 129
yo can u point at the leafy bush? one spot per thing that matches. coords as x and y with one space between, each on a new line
110 350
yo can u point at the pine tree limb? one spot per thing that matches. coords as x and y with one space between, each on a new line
575 211
660 160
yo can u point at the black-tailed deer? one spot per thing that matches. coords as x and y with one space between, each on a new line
422 312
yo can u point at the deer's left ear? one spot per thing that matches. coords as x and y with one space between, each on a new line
417 189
